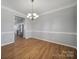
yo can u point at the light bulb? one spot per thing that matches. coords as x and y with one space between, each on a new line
34 14
28 15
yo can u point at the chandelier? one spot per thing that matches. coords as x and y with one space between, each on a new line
32 15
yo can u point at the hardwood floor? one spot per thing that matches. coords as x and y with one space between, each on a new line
37 49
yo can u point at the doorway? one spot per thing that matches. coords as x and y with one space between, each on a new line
19 24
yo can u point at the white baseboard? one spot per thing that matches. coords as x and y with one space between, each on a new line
27 37
56 42
53 42
6 43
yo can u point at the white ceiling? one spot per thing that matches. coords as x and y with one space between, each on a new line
40 6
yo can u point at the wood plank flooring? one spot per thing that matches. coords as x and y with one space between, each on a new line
37 49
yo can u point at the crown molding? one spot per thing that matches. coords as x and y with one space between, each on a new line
58 9
12 10
45 13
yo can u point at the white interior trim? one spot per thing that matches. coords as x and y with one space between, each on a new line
67 33
12 10
61 43
58 9
10 32
27 37
6 43
53 42
45 13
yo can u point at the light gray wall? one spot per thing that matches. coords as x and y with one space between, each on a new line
58 26
61 21
8 24
28 28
